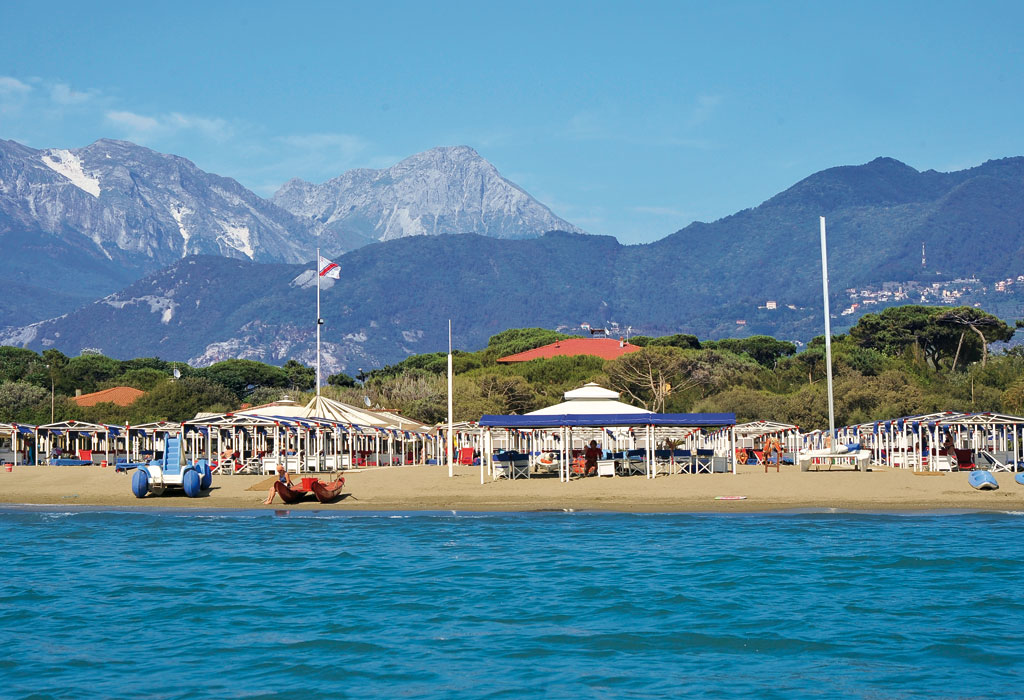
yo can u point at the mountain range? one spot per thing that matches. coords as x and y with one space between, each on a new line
396 296
91 220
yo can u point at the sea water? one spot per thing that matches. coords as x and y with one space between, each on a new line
177 604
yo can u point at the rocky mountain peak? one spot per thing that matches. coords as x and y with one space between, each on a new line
445 190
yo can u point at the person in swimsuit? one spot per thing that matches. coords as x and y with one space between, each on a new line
282 476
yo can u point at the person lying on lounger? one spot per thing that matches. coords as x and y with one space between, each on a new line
282 476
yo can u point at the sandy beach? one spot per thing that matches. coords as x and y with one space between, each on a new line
429 488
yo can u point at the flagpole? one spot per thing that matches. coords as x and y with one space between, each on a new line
451 457
319 321
828 336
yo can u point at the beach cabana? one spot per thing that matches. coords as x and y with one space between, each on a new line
12 432
997 434
748 435
79 440
652 427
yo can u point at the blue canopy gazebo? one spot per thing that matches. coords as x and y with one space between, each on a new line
653 425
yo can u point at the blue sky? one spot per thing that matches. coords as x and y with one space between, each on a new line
628 119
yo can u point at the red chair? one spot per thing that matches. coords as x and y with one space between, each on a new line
465 456
965 460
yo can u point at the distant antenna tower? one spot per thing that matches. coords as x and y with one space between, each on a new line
924 260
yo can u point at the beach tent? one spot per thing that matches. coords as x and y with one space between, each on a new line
719 427
80 439
10 431
995 432
748 435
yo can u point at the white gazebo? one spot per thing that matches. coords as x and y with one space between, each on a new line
590 399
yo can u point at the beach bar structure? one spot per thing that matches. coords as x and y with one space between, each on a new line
712 434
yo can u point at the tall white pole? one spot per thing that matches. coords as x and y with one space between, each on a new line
318 321
828 335
451 421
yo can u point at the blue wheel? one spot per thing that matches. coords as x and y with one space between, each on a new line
206 473
191 482
140 483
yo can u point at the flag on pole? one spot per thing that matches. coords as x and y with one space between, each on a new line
328 268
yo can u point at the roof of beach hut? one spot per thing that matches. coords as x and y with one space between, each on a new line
983 419
159 425
758 428
323 407
589 399
77 426
709 420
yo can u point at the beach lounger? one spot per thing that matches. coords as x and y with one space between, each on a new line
995 461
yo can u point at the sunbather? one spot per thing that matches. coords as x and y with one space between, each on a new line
282 477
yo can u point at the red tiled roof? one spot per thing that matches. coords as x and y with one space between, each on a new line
605 348
121 395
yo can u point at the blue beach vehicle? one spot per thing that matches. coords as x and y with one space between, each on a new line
983 480
172 471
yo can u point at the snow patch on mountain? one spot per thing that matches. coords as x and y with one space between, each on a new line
239 238
69 165
20 337
179 212
157 304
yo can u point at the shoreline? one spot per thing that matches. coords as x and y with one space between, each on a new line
425 489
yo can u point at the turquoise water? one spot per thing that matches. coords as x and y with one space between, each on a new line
554 605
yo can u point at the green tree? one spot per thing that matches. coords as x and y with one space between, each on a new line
23 402
300 377
87 372
141 378
763 349
244 376
898 329
341 379
987 327
680 340
17 364
180 400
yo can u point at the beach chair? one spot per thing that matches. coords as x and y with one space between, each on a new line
995 461
704 463
663 463
634 462
465 456
965 460
501 466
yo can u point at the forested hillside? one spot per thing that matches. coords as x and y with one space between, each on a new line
904 360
